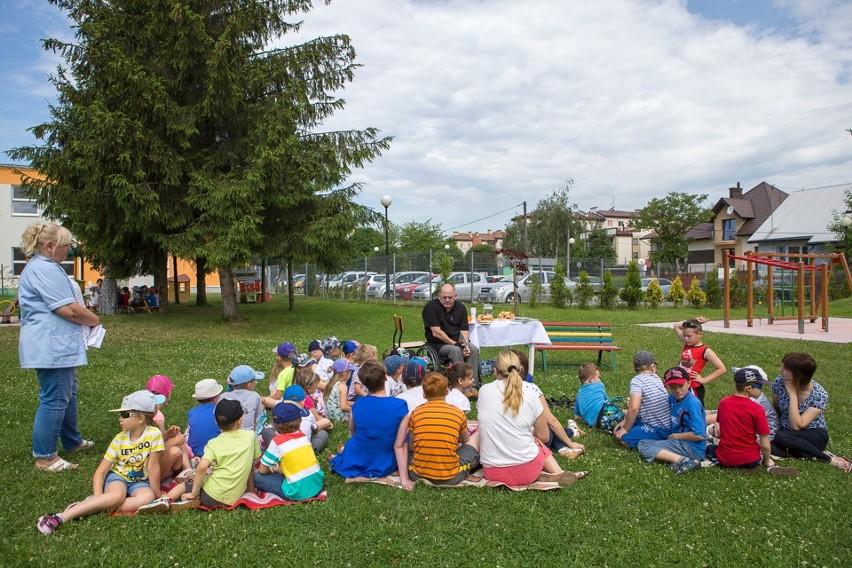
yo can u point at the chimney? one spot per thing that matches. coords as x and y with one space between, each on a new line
736 192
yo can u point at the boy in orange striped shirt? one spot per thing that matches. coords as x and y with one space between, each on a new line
444 452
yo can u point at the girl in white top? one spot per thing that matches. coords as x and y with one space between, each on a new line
460 376
511 425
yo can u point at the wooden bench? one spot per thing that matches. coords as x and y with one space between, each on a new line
578 336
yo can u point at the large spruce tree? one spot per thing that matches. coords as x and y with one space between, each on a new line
179 129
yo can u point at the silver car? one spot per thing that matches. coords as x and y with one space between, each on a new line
380 289
503 292
665 285
467 286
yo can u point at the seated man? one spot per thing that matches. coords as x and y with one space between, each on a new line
447 332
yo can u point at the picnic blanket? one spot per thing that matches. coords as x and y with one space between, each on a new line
473 480
261 500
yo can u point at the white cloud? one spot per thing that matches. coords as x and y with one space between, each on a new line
495 102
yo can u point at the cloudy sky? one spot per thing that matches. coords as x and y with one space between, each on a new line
495 102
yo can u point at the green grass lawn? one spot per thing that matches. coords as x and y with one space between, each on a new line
626 513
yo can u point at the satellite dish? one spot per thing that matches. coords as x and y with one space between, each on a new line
730 209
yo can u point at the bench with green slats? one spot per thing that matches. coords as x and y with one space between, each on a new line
578 336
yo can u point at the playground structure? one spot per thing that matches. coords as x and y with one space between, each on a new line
806 263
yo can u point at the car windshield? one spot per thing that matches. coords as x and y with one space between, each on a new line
421 279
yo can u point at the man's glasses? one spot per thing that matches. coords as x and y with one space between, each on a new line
446 298
125 414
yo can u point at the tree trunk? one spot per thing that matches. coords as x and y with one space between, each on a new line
201 282
229 296
161 279
291 293
109 293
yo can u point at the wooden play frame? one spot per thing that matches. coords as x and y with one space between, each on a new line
805 263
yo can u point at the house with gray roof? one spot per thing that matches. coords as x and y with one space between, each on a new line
801 223
735 219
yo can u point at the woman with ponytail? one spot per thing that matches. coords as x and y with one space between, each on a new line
52 342
511 425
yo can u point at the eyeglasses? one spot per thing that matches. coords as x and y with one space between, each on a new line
125 414
688 324
446 298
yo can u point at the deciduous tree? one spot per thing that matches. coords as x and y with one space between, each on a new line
670 217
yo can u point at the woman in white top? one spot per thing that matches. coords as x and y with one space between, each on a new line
511 425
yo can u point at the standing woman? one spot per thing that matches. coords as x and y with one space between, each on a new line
51 342
512 424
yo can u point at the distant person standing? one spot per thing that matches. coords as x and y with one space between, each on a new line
447 331
53 323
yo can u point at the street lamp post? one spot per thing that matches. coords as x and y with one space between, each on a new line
386 202
846 221
571 241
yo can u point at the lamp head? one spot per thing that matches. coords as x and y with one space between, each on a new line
386 200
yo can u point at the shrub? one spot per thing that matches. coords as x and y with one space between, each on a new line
535 290
654 294
713 290
608 293
738 295
559 292
696 295
676 293
584 291
631 293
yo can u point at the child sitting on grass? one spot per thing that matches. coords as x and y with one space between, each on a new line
394 366
684 447
242 379
289 467
461 379
593 405
231 455
129 474
314 427
281 375
175 458
647 413
201 419
337 405
743 428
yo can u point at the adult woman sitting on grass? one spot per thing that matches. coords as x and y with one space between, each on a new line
512 424
800 403
373 426
52 342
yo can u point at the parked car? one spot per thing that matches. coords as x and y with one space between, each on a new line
594 281
503 292
380 289
494 278
405 291
665 285
467 289
345 278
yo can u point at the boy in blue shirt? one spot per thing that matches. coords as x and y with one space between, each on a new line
684 449
593 404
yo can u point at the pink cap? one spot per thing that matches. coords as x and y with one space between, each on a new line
160 384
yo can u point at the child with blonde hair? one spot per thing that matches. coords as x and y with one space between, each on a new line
593 405
281 375
128 477
337 406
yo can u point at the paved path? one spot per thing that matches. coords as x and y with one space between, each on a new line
840 329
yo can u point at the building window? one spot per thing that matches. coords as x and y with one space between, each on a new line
729 229
635 255
19 261
635 242
22 204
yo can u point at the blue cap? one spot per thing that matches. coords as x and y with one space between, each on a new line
394 362
294 393
414 371
242 374
314 346
303 360
286 412
349 347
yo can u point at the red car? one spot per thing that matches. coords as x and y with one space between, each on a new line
404 291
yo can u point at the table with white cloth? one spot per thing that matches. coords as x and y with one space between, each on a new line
505 333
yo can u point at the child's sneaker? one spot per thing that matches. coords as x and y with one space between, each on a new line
160 505
687 466
184 475
47 524
177 506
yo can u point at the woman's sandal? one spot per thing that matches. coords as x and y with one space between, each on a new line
59 465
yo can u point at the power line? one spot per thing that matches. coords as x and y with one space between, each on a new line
484 218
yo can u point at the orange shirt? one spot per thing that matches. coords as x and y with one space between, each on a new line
436 427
